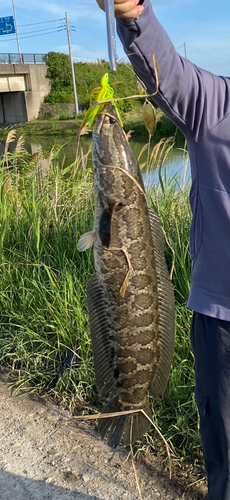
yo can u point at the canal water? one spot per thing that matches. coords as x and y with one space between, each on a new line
171 160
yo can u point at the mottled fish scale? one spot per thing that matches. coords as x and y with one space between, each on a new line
130 299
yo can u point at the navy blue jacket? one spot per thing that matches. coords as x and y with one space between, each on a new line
198 102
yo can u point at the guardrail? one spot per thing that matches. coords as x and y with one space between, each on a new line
84 60
22 58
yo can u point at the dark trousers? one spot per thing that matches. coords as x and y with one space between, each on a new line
210 339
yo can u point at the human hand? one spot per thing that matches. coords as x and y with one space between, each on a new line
124 9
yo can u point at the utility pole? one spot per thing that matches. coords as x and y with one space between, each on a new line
185 52
72 66
16 31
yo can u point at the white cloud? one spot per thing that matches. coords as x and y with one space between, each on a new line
76 10
88 10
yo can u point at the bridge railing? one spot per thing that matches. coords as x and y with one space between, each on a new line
22 58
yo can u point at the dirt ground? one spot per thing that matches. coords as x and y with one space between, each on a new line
46 454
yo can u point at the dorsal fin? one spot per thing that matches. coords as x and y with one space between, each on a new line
166 309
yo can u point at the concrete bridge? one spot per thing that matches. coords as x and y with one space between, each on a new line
22 89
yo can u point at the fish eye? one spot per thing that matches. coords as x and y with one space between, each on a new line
112 120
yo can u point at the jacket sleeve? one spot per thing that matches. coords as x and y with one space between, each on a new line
194 99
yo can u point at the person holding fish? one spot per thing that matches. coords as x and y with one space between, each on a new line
198 102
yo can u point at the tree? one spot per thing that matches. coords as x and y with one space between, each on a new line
59 73
88 76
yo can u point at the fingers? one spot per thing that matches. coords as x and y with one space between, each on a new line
101 4
124 9
127 9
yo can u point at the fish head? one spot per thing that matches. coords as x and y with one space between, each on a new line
111 148
117 178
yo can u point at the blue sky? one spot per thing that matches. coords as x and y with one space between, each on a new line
202 25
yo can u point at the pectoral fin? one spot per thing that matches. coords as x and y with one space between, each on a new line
86 241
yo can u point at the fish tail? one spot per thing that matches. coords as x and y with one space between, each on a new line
129 428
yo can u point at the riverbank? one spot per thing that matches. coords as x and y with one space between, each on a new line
44 128
68 128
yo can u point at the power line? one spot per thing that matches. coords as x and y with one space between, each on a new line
42 31
41 34
179 46
32 36
97 32
208 55
88 33
209 49
43 22
84 31
29 13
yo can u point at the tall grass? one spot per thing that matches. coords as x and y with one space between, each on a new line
43 280
168 193
42 276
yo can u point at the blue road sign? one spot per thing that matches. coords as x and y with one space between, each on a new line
7 25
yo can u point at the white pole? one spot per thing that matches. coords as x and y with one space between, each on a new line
185 51
71 64
16 30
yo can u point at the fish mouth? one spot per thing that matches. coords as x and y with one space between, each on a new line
106 116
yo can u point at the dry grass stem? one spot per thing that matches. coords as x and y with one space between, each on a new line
128 135
143 149
8 189
105 415
10 138
128 175
131 412
20 146
169 451
84 130
160 151
195 483
133 462
157 70
52 155
173 252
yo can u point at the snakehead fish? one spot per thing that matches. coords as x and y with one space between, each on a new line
130 298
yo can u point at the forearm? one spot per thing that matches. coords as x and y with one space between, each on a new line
145 39
194 99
